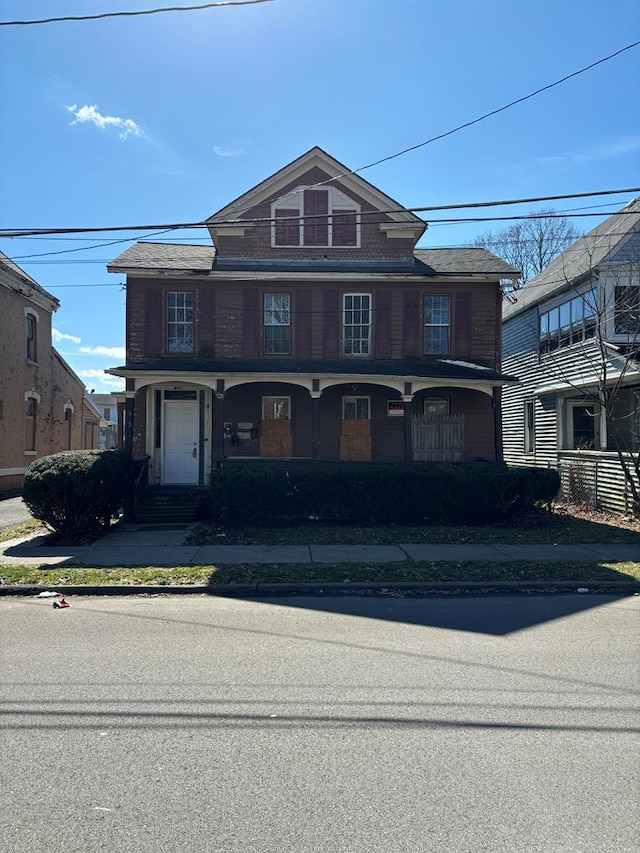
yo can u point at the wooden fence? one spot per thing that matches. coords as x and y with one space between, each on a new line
437 438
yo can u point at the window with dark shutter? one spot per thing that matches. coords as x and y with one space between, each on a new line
316 231
344 228
287 229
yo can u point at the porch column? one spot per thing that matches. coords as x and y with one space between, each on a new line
315 424
218 431
129 408
408 447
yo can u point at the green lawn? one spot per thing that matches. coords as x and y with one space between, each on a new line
518 570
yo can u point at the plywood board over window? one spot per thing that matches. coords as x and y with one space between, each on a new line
275 432
355 433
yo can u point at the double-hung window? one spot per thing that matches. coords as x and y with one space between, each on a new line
356 323
277 323
180 322
437 324
31 331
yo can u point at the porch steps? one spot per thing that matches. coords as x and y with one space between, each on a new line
171 506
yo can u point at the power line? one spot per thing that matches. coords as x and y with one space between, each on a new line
135 13
469 123
30 232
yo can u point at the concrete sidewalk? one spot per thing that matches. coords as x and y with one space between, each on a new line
131 545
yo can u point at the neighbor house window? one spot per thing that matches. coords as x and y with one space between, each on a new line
356 408
357 323
179 322
626 310
529 426
276 408
583 427
32 348
572 321
31 417
315 217
277 323
437 324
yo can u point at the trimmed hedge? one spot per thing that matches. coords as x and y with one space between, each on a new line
364 493
77 492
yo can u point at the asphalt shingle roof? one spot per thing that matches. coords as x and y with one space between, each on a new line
578 259
202 259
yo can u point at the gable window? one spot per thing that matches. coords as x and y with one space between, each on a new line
277 323
626 310
32 341
529 426
315 217
572 321
437 323
356 323
179 322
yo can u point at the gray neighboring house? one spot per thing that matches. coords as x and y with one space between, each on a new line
573 332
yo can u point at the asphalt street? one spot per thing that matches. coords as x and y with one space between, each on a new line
320 724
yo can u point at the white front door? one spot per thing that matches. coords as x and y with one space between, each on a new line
180 442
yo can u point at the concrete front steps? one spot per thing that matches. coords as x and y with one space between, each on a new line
171 505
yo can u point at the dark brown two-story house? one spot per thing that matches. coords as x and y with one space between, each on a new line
311 329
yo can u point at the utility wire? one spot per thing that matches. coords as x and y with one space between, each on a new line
134 14
25 232
469 123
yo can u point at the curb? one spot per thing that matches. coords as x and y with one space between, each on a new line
333 588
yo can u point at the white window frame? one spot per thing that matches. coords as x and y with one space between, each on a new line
354 400
180 323
447 325
337 200
285 323
271 410
361 340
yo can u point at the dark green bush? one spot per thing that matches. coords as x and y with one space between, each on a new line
364 493
77 492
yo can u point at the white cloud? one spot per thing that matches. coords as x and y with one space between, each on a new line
110 352
63 336
101 381
230 150
126 126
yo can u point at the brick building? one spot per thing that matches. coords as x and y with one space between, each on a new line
311 328
42 406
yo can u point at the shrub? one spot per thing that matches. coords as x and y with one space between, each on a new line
77 492
366 493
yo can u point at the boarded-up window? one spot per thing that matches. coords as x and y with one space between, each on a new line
316 230
344 226
287 229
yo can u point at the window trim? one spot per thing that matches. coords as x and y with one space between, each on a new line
32 319
31 428
292 207
448 325
168 322
369 325
265 325
571 406
354 398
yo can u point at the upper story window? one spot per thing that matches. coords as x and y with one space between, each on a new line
357 323
437 324
626 316
32 335
277 323
180 322
568 323
316 217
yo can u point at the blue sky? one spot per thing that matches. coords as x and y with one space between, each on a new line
169 117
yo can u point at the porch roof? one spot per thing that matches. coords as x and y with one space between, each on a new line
441 368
